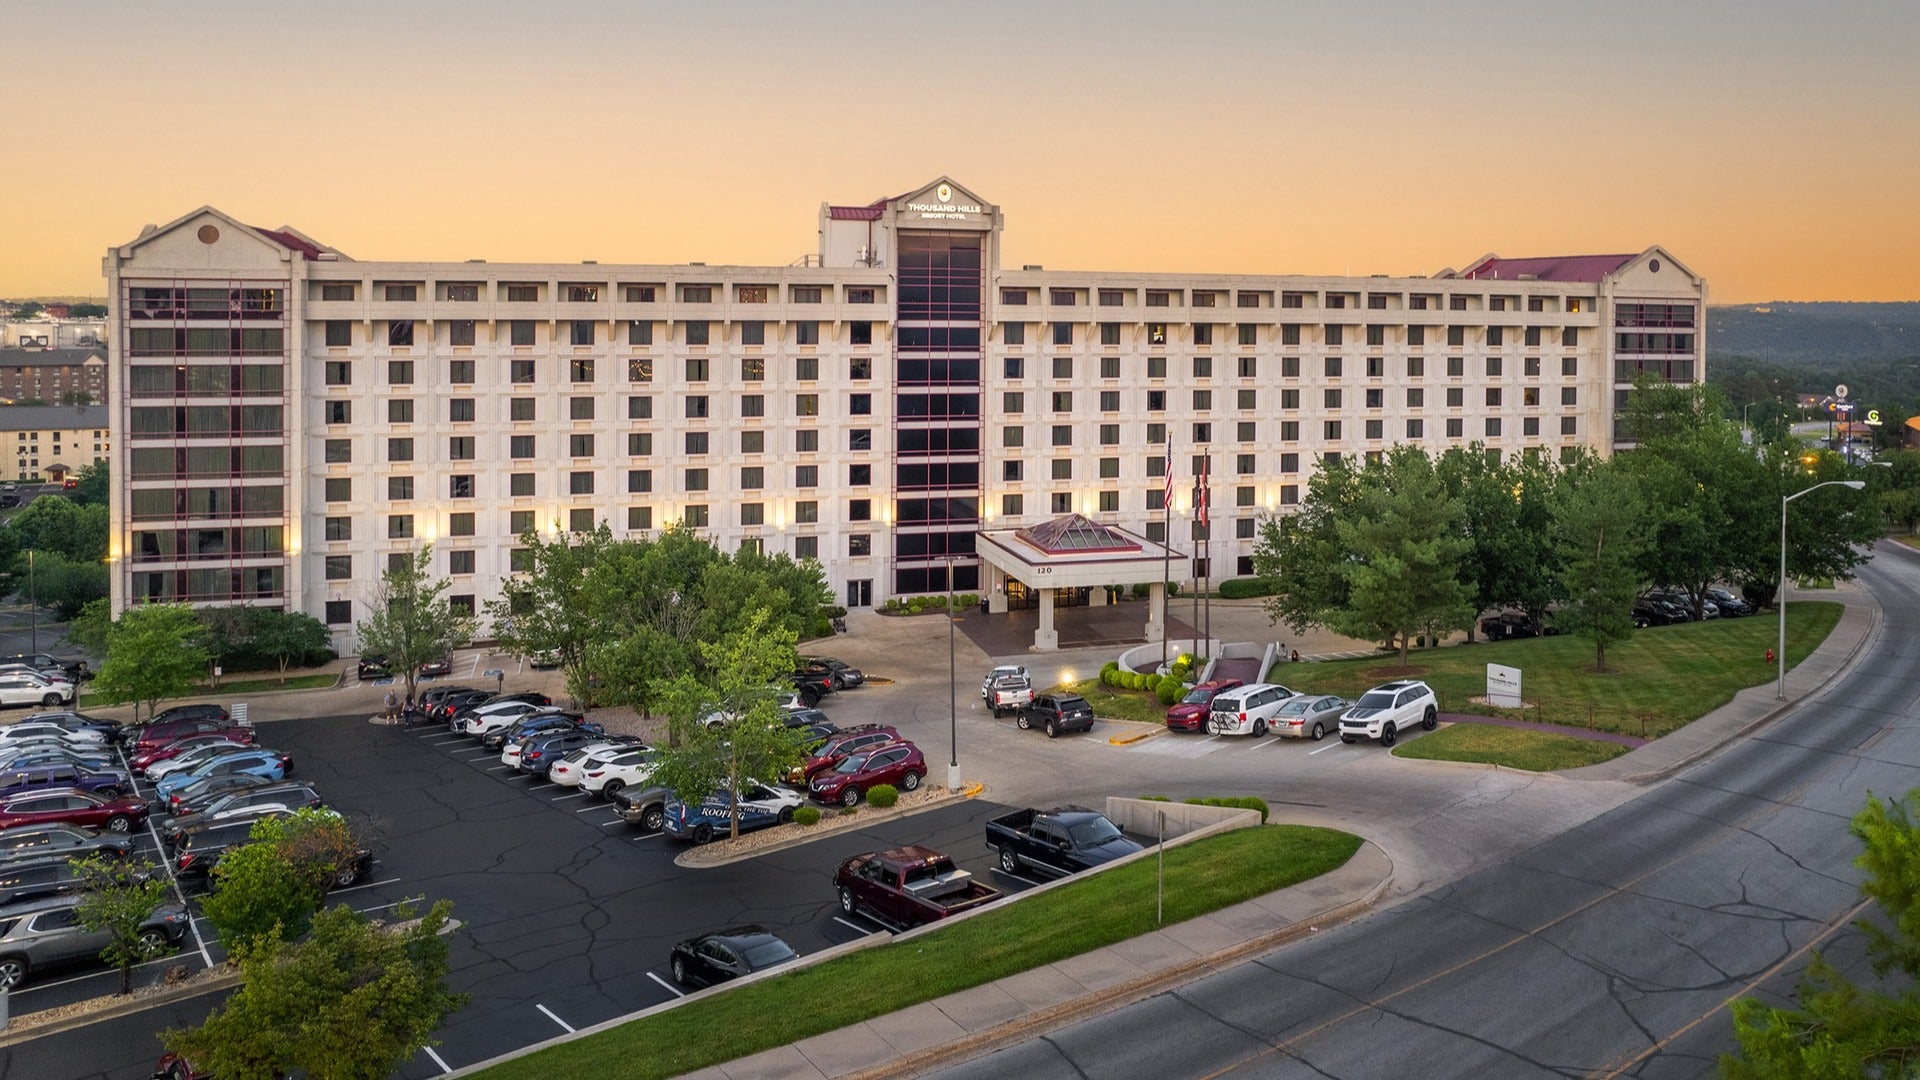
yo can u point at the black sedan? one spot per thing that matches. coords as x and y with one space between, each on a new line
729 954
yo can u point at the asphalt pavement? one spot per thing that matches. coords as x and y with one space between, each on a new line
1609 950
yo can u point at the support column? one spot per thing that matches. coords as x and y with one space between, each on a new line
1045 639
1156 611
996 590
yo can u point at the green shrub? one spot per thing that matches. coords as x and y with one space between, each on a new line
836 613
1109 673
883 795
1237 802
1155 798
807 815
1137 680
1171 690
844 811
1246 588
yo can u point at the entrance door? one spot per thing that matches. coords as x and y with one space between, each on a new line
860 593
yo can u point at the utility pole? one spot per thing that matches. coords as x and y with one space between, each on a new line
33 607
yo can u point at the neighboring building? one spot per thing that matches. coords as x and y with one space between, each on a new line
55 376
54 333
293 418
49 442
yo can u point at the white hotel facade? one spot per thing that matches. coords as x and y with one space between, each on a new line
286 419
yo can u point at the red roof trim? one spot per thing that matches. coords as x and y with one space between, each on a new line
289 241
854 213
1548 268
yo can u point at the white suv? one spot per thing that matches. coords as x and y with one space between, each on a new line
1246 710
1390 708
23 687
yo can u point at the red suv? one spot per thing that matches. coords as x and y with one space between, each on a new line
146 757
1191 712
838 747
166 731
898 763
72 806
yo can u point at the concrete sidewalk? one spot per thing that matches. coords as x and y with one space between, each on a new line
1754 706
973 1022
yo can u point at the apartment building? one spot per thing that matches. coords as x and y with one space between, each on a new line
289 419
61 376
51 442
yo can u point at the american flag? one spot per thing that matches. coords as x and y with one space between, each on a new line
1200 500
1166 497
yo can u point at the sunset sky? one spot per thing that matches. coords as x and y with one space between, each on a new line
1774 148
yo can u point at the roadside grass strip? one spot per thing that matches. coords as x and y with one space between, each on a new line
1107 907
1111 704
1515 748
1667 675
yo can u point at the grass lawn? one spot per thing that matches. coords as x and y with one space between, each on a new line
1201 877
1663 677
263 685
1908 539
1516 748
1111 704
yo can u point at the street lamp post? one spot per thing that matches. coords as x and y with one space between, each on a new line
953 691
1780 656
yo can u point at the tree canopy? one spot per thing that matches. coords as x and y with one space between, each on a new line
154 652
411 621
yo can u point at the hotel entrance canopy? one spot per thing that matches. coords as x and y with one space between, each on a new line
1073 552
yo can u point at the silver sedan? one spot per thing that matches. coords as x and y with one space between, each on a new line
1309 716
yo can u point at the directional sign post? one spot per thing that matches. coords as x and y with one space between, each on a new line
499 677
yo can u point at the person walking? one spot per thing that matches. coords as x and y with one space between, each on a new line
393 705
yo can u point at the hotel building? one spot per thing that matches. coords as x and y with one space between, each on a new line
286 419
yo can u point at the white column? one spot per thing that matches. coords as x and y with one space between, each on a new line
996 590
1156 611
1045 639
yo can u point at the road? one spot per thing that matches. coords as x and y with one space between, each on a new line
1607 951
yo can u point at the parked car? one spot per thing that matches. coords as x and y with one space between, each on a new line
760 805
434 669
195 797
496 719
544 661
537 724
72 806
840 673
1388 709
30 879
47 934
799 718
539 752
242 803
32 728
62 743
1008 688
572 766
1731 604
1064 840
448 706
162 732
143 759
63 774
21 757
190 760
157 728
271 763
1308 716
24 687
62 841
112 730
609 777
908 886
1248 710
194 854
1057 713
433 695
900 764
728 954
75 670
1506 625
373 666
1684 600
811 684
859 737
643 806
1190 712
1650 611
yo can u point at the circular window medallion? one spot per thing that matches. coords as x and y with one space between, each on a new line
208 234
1653 266
944 193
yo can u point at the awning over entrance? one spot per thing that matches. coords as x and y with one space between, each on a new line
1071 552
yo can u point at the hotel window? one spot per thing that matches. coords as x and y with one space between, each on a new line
1109 434
400 411
1493 367
1063 434
1289 333
1416 367
1157 333
860 333
523 294
460 372
460 448
695 517
580 369
460 332
520 332
1570 366
1063 367
1569 395
860 510
460 410
1456 336
697 407
640 407
580 445
339 333
1203 367
1495 336
1159 298
1374 398
1376 366
1063 401
696 294
460 486
1244 431
1013 436
860 440
519 522
1244 465
639 443
1156 401
1202 433
753 333
520 447
640 369
859 404
1289 367
859 296
696 480
339 567
1333 367
1570 337
1289 494
1416 336
1062 502
806 404
1289 398
1156 434
696 442
806 332
1010 471
1013 402
399 449
1530 425
1416 397
1203 401
1456 366
339 451
807 369
697 332
581 483
1109 333
1109 401
1456 397
806 476
1202 332
1330 430
338 373
753 405
859 476
403 293
581 332
520 409
697 369
1062 333
805 294
1493 426
460 524
1013 333
1530 396
399 526
1332 395
1376 429
336 292
806 441
520 371
639 481
1249 334
639 332
1377 335
1156 367
1063 468
1532 337
1016 297
1335 334
1568 425
339 489
860 369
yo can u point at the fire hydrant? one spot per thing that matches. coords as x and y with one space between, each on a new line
1769 656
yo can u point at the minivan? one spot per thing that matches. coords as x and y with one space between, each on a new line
1247 710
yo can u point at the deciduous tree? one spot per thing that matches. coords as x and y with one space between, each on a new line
154 652
411 621
1598 534
1404 544
121 895
270 887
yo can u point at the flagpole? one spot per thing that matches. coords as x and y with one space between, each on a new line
1206 557
1166 549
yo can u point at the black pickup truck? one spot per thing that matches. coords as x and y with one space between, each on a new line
1064 840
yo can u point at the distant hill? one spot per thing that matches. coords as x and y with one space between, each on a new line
1819 333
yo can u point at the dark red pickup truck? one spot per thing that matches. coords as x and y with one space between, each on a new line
908 886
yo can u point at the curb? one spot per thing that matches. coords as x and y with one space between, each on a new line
1489 766
1128 740
16 1034
689 859
981 1043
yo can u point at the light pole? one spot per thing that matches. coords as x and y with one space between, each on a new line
1781 600
953 691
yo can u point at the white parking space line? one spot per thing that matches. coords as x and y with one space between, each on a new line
1025 880
438 1060
591 809
1324 749
564 798
180 894
671 989
475 755
1271 740
610 824
428 732
92 975
497 768
852 926
449 739
368 885
649 836
395 904
563 1024
542 784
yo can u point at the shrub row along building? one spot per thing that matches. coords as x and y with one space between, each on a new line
287 419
